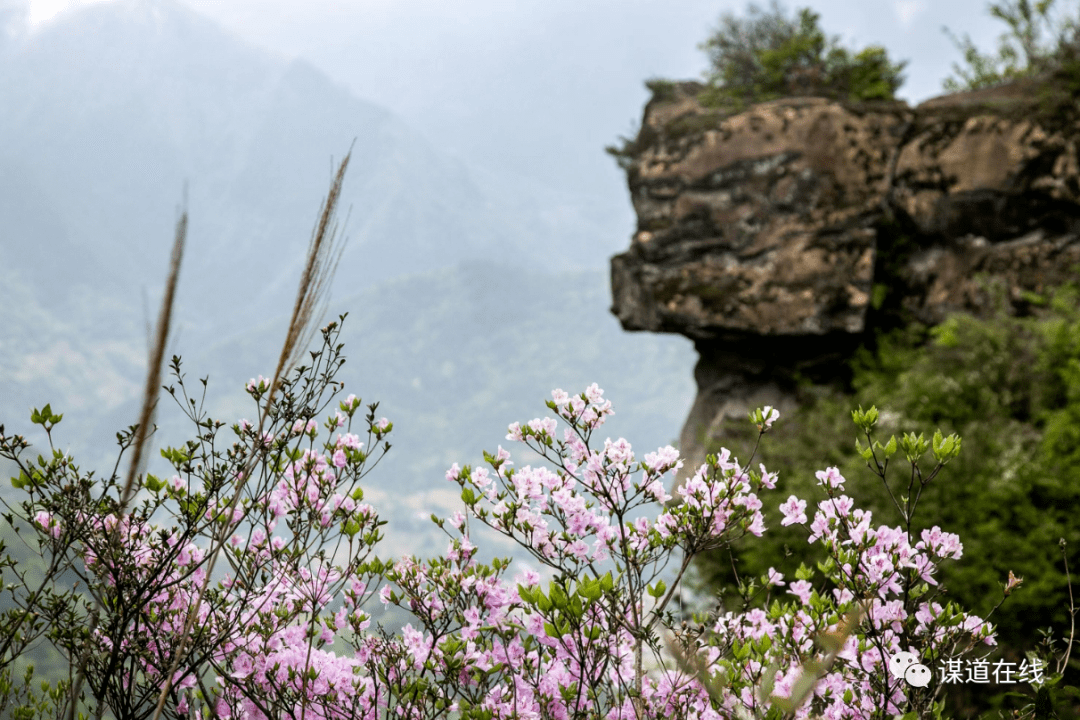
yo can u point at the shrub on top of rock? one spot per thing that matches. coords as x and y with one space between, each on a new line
769 55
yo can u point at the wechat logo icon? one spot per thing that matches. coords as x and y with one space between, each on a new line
905 666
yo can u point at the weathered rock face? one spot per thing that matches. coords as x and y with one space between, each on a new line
776 237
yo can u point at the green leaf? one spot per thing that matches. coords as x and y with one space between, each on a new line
591 592
558 596
576 608
607 584
865 420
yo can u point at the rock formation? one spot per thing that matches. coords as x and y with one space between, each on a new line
778 236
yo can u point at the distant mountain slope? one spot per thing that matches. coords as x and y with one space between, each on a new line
467 302
110 112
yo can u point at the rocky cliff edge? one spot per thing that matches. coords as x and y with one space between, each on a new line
779 236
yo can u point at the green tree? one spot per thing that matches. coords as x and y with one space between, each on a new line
768 54
1036 42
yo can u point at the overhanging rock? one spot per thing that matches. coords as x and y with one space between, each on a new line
777 236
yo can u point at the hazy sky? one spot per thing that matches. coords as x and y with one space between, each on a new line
539 87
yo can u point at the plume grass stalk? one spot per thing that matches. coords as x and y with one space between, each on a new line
323 254
142 433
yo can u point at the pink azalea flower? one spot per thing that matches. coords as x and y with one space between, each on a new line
830 478
768 479
339 459
794 511
801 589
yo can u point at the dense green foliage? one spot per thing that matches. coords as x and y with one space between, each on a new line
768 55
1011 388
1036 42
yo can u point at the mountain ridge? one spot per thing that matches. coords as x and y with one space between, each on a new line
161 100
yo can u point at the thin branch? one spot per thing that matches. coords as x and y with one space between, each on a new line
1072 610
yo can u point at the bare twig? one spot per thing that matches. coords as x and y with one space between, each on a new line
1072 610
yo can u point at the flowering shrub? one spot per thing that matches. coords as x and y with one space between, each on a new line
877 573
283 631
1007 385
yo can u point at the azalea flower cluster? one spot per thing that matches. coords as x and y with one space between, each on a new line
577 518
283 632
874 571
